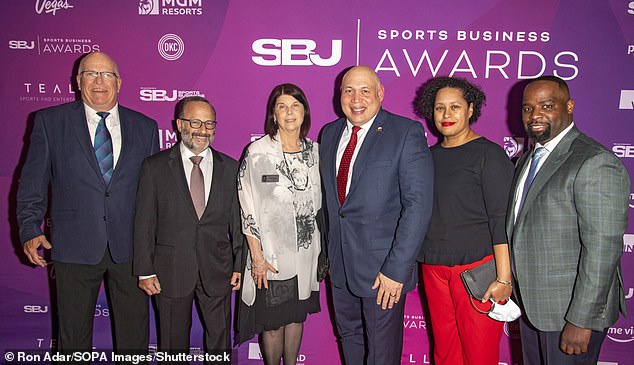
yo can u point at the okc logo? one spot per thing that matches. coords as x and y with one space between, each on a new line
150 7
171 47
511 147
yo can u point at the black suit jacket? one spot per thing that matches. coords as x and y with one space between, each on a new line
169 239
86 214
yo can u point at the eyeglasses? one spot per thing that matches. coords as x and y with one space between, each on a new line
106 75
197 123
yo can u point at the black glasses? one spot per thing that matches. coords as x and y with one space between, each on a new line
107 75
197 123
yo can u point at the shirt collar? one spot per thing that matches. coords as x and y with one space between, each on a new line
366 126
93 118
186 153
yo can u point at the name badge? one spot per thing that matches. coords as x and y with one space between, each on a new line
270 178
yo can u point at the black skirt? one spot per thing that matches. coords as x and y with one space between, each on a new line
275 307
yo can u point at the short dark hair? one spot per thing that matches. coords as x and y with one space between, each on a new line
560 82
426 96
180 107
270 126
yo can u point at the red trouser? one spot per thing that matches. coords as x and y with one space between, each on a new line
462 336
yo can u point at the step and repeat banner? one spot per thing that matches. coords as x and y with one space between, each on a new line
235 52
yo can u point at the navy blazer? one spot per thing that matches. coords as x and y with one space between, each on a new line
382 223
86 214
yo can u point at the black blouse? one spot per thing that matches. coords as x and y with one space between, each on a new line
472 183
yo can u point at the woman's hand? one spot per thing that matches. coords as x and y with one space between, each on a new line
259 267
499 292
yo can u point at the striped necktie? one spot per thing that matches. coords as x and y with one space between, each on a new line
103 148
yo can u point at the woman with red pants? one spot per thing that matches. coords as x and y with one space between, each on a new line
472 179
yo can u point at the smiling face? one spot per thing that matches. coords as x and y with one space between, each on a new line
289 114
546 110
361 95
196 139
452 113
99 93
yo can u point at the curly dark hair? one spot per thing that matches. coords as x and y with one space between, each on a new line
426 96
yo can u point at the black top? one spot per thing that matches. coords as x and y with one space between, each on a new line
471 190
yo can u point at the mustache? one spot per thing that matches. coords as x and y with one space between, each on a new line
198 134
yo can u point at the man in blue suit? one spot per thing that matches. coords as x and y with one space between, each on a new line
89 154
378 180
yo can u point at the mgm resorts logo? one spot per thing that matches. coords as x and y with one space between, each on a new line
170 7
514 146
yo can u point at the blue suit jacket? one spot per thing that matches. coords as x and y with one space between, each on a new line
86 214
381 224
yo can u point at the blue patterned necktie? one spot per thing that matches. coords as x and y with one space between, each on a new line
532 171
103 148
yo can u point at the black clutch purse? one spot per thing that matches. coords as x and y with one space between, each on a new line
477 281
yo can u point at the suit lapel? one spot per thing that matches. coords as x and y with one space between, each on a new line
77 119
521 166
331 159
178 172
369 142
216 181
554 161
125 125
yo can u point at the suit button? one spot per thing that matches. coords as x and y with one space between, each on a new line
341 215
107 194
104 218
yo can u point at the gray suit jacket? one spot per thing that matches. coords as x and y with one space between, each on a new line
567 242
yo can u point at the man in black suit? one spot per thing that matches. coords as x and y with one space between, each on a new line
89 152
187 234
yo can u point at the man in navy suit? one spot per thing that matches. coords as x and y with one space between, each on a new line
92 194
377 174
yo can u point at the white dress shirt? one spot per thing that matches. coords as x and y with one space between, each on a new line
206 165
114 127
549 147
343 142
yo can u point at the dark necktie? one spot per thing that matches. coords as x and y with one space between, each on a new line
532 171
197 186
344 165
103 148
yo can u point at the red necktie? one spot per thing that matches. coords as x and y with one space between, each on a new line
344 165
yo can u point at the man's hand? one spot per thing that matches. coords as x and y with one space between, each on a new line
235 281
574 340
389 291
150 286
30 249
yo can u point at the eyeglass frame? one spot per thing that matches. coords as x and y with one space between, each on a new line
213 123
89 75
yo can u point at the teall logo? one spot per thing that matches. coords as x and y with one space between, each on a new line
148 7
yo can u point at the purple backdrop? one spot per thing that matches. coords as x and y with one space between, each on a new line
233 53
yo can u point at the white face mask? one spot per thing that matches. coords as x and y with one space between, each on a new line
507 312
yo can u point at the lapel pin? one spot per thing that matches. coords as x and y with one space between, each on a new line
379 129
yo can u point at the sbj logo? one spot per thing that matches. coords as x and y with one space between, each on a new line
150 7
293 52
15 44
627 99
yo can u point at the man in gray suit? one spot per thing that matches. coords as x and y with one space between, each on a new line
566 219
